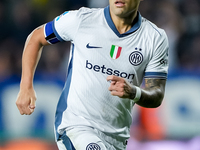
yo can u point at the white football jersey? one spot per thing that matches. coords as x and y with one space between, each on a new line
99 50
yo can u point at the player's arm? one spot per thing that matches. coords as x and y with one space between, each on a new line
151 96
31 55
153 93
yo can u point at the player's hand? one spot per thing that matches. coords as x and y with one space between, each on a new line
26 101
121 87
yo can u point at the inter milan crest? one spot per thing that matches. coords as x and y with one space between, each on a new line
93 146
136 58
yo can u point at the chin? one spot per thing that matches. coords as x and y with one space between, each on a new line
120 12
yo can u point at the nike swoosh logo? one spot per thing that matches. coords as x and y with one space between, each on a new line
89 46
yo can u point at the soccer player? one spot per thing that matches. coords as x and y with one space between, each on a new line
112 50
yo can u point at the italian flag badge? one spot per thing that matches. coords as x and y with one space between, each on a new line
115 51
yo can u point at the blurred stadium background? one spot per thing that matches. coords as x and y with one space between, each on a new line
173 126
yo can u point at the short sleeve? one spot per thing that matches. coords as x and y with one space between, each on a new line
63 27
158 64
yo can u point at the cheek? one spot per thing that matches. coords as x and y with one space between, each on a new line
134 5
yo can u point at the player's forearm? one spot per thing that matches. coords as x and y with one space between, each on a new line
151 98
30 58
152 95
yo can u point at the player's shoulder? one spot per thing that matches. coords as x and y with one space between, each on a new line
79 15
85 11
153 29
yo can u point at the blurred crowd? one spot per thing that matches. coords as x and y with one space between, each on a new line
179 18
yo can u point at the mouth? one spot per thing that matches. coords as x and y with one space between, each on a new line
119 3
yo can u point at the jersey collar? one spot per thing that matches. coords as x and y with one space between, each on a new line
136 23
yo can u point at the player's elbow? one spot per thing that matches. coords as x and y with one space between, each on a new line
158 100
152 99
155 104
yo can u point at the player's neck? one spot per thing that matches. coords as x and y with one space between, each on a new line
123 24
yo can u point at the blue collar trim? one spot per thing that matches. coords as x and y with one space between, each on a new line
136 23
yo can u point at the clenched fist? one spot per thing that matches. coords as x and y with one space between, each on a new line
26 101
121 87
